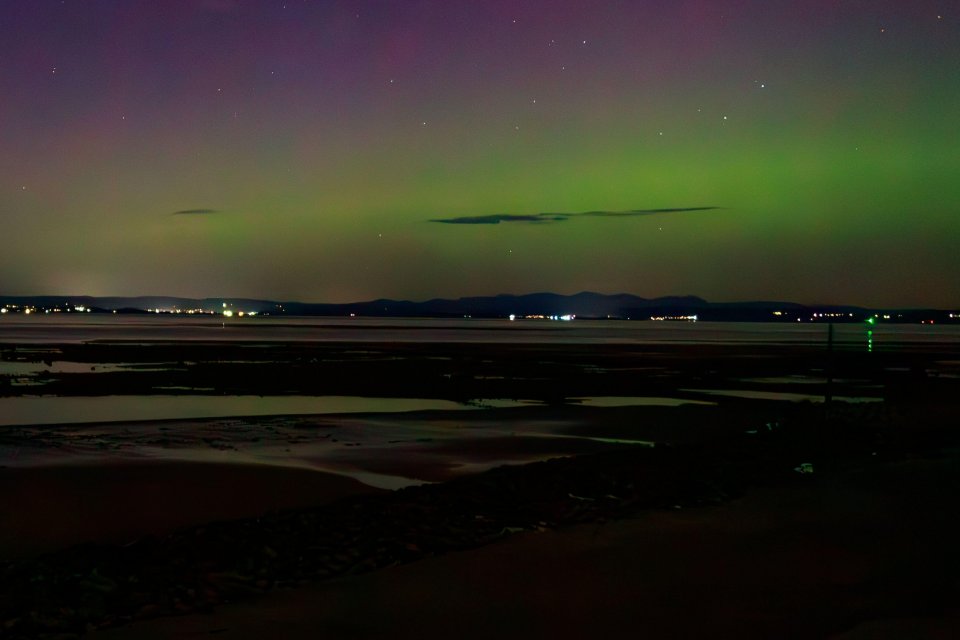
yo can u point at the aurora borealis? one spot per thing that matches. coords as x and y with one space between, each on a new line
804 150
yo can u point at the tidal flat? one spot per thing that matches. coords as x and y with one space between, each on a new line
714 455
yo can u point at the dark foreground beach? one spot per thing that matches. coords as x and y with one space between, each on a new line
736 514
865 560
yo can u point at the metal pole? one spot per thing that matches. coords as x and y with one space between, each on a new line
828 396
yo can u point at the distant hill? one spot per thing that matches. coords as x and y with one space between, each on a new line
584 305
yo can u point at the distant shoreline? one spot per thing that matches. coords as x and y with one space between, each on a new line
584 305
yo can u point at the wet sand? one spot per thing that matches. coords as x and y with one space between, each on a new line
552 373
845 547
51 507
863 553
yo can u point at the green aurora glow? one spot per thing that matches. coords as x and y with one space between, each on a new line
827 133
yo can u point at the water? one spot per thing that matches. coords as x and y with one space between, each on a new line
358 446
40 329
36 410
49 410
787 396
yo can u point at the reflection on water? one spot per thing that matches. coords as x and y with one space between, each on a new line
502 403
779 395
379 449
367 477
591 401
65 366
48 329
20 368
635 401
61 410
28 410
786 380
377 480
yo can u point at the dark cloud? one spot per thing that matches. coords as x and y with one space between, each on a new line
541 218
194 212
638 212
497 218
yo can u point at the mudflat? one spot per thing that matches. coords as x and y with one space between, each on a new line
51 507
675 490
859 554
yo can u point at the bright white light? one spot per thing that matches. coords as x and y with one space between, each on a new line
512 316
228 313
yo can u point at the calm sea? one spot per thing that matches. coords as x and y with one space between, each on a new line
147 328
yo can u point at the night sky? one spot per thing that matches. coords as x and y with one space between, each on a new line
804 150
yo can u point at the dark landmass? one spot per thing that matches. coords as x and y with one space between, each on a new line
582 305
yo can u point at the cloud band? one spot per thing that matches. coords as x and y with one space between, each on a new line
541 218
